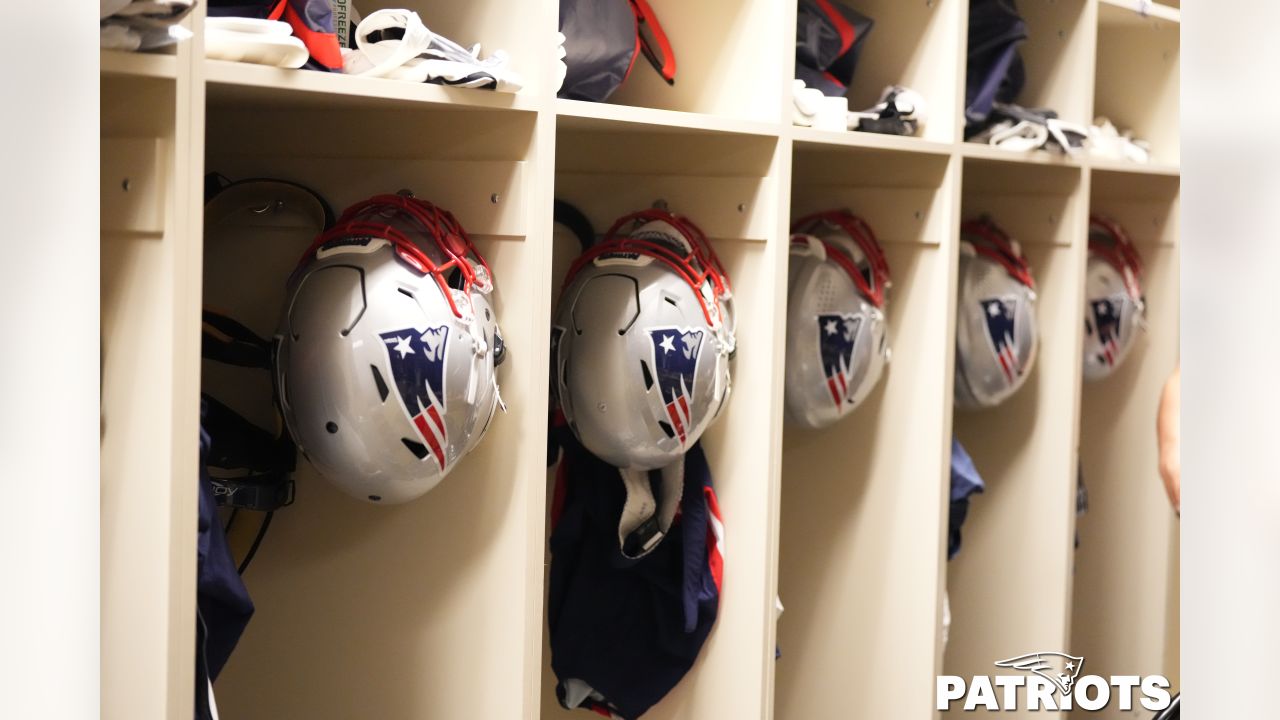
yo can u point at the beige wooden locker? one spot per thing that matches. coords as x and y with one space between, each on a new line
435 609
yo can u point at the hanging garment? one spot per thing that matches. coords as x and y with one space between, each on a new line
829 40
994 71
965 481
630 603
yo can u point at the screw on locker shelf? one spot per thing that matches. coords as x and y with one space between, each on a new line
660 204
494 198
126 184
405 192
928 3
919 214
1053 219
1062 34
742 207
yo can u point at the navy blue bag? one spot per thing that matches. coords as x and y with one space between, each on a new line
829 40
603 39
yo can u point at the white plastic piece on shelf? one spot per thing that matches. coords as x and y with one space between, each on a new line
806 103
833 114
251 26
260 46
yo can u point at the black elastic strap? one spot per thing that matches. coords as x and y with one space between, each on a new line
574 219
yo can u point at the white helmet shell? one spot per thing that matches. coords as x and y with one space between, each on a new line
1115 309
996 333
837 335
386 352
642 341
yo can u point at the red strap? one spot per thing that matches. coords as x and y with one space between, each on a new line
646 16
278 10
848 34
323 46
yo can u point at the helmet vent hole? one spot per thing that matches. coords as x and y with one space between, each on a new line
671 300
456 280
332 427
418 449
648 377
406 293
375 498
487 315
666 428
382 384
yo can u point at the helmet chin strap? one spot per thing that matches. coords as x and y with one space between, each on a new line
647 519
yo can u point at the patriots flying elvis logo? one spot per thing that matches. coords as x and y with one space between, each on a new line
1058 668
837 334
1106 322
1000 313
675 358
417 368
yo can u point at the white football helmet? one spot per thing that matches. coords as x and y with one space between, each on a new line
837 335
642 341
387 349
996 334
1115 309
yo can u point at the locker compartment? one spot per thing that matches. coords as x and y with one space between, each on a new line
1010 583
726 185
859 563
1124 614
1136 86
912 44
730 62
416 609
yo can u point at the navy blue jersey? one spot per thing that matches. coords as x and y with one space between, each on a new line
625 631
994 71
965 481
222 601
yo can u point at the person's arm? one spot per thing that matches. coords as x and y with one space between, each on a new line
1168 435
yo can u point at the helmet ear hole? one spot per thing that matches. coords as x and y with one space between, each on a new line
418 449
648 376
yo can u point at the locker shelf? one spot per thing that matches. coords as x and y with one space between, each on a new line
259 86
804 136
1136 13
581 115
1035 157
132 64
